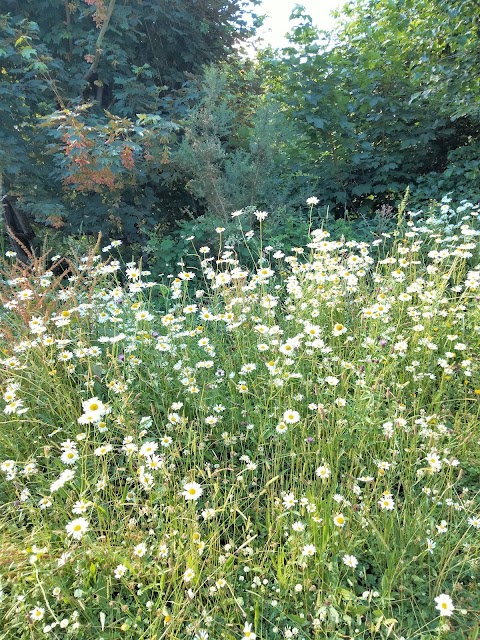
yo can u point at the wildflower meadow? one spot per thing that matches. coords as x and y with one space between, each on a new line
281 447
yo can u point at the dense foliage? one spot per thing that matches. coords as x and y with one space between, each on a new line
88 95
116 120
386 98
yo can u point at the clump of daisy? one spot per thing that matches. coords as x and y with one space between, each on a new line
93 411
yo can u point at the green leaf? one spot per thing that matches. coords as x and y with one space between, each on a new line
301 622
318 122
28 52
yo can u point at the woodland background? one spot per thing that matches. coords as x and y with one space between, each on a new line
153 121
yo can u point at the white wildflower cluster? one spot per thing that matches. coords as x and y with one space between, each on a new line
252 435
14 405
93 411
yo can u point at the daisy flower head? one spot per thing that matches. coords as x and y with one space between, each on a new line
281 427
309 550
16 406
442 527
69 456
103 450
323 472
350 561
189 575
289 500
147 449
260 215
37 614
166 441
192 491
248 634
444 605
94 406
77 528
386 502
143 315
63 478
133 273
339 520
81 506
339 329
291 417
140 550
8 466
120 571
26 294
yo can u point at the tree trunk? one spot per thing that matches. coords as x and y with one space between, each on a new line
22 236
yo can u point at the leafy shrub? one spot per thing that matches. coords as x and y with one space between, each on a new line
232 160
461 176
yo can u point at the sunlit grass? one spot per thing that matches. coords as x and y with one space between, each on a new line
283 450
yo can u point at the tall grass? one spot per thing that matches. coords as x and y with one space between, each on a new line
286 450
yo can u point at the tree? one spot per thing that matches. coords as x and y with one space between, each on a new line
386 97
91 90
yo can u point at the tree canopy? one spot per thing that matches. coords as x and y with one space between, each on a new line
385 97
89 90
132 117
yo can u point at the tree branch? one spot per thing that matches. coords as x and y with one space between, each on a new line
101 35
69 27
